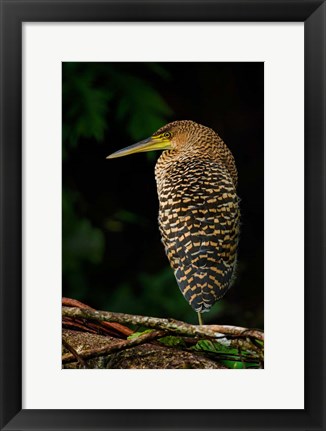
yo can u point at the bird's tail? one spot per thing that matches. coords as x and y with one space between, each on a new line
202 287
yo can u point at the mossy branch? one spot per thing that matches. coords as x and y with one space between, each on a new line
170 325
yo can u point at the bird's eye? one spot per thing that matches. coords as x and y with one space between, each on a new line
167 135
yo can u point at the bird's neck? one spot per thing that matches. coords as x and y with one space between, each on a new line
218 153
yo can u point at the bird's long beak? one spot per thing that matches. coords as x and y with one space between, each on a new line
149 144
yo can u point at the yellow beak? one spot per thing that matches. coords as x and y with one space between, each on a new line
149 144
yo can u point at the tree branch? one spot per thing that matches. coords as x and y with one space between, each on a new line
74 355
170 325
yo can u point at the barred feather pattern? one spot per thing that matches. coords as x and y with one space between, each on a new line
199 217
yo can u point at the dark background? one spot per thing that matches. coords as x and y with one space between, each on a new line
113 258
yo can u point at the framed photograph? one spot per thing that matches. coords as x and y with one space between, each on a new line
233 94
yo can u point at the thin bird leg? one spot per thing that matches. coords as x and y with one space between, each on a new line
200 319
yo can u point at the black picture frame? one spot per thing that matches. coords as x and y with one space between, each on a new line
13 14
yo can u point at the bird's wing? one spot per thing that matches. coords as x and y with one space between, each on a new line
199 223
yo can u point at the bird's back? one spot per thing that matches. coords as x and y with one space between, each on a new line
199 223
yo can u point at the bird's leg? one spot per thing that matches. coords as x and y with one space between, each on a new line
200 320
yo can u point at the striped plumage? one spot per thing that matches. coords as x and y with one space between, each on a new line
198 212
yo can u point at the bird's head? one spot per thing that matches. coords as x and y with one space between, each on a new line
174 136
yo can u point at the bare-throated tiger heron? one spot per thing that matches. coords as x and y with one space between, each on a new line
199 212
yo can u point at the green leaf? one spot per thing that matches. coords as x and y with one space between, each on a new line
214 347
140 106
172 341
81 241
159 70
85 104
138 334
236 365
